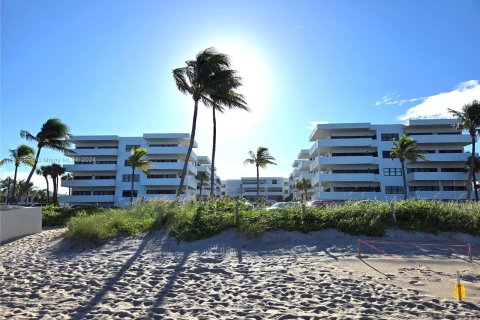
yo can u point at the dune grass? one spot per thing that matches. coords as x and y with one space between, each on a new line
193 221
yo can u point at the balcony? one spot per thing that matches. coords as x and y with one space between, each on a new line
315 179
90 198
341 160
446 157
90 167
175 166
353 177
435 176
91 152
263 193
167 182
172 151
304 165
305 175
88 183
350 195
461 139
441 195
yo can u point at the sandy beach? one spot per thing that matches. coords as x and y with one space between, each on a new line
277 275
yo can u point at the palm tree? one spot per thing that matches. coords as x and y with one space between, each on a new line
45 171
23 154
54 134
56 171
232 100
202 176
406 149
27 186
136 161
469 119
209 80
260 159
303 186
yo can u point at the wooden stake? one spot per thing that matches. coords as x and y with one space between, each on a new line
359 248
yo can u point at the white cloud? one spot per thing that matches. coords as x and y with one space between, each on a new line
394 99
312 124
436 106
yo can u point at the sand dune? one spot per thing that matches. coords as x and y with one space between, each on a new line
278 275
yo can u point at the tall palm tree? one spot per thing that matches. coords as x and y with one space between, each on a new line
56 171
45 171
23 154
406 149
209 80
260 159
27 186
54 134
202 177
232 100
303 186
136 161
469 119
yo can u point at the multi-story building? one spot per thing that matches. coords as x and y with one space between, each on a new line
102 175
272 189
205 165
301 170
352 161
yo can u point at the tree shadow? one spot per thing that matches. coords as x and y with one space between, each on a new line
82 311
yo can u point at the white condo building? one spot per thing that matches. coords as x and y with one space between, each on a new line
352 161
102 176
272 189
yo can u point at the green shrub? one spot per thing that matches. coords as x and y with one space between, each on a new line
54 216
105 225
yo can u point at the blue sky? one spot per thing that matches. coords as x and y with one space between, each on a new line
104 67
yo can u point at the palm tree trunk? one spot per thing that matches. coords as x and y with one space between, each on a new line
214 146
258 185
48 189
54 180
31 173
14 184
201 185
190 147
404 178
131 189
472 166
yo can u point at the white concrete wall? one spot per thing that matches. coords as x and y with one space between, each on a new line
20 222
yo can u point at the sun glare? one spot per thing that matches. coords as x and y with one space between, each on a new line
256 83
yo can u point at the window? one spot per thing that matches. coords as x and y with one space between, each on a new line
104 177
353 137
274 189
127 163
420 134
425 188
81 193
162 145
126 193
393 189
82 177
163 160
452 132
389 136
274 181
107 147
356 189
354 154
392 172
104 193
161 176
454 188
450 151
129 147
453 170
161 191
106 162
428 151
386 154
374 171
128 178
410 170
